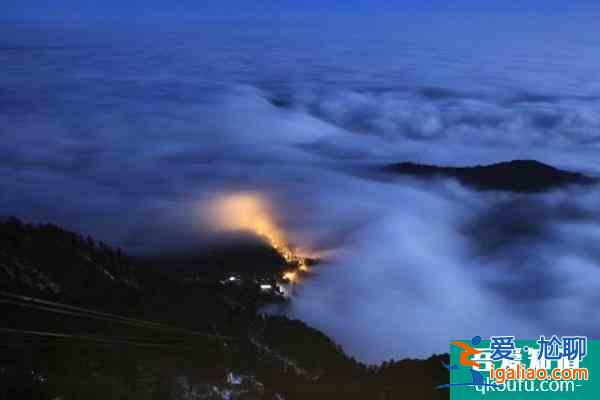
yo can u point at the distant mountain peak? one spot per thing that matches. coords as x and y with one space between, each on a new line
515 175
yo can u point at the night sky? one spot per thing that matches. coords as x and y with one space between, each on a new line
125 121
31 9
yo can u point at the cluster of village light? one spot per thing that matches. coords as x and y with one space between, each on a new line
251 212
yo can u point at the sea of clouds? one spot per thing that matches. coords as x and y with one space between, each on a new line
125 132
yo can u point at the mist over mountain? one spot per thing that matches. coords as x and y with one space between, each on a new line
128 131
88 313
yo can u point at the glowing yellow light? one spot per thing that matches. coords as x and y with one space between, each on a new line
290 276
252 212
303 268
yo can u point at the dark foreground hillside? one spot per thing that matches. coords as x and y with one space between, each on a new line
209 343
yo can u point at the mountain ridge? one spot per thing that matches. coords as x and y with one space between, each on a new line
521 175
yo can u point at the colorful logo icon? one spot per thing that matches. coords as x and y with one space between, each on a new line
467 351
501 367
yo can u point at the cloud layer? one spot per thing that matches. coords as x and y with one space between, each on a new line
126 133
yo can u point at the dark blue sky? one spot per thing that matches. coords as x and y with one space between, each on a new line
36 9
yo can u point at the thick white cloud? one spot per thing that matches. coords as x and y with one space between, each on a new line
125 136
